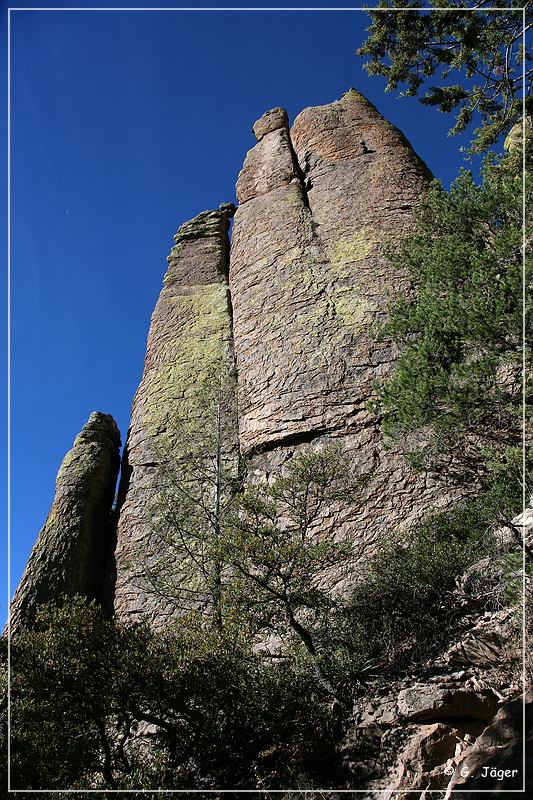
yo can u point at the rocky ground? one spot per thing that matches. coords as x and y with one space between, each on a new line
453 724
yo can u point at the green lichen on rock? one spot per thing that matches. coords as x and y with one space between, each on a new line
349 250
354 94
188 372
312 318
190 336
208 309
204 225
354 311
200 351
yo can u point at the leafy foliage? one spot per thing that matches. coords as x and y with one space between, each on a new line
480 49
458 379
285 570
220 713
406 609
84 688
57 737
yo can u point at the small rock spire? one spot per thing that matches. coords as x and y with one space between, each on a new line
69 555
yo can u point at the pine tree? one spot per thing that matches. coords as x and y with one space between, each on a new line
481 49
458 381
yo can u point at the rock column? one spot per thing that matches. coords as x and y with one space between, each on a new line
70 554
308 277
189 341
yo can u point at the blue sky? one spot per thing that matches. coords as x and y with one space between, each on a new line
124 124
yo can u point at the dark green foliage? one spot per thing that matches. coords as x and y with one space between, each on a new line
285 570
475 56
253 561
220 715
458 380
58 698
405 610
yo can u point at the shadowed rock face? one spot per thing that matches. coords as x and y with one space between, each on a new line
69 556
189 340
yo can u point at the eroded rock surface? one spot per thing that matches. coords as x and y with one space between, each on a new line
189 339
419 703
443 728
69 556
308 277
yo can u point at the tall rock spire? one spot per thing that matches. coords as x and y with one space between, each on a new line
307 271
69 556
189 340
308 277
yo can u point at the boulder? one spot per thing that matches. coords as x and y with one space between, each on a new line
435 702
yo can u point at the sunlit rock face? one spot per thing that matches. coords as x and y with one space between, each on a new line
307 272
284 317
308 277
189 338
69 556
289 307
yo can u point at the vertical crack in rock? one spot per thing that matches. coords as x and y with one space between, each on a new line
229 210
275 259
308 277
107 594
69 556
190 340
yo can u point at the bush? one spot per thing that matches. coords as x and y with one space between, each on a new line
405 609
220 715
98 704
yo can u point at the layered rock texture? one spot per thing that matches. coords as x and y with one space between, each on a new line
308 277
69 556
277 330
189 346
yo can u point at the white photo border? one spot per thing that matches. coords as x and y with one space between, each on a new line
333 9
